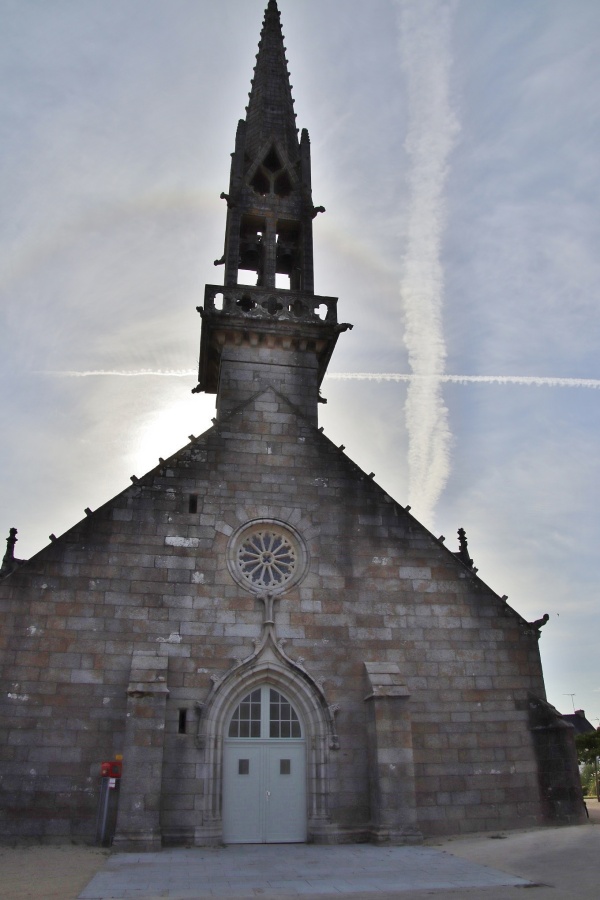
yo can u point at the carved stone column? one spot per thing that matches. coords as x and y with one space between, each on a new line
138 823
392 777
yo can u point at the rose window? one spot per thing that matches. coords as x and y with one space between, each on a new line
267 556
266 559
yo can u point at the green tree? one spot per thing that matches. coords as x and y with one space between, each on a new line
588 779
588 751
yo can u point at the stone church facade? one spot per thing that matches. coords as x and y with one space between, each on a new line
277 648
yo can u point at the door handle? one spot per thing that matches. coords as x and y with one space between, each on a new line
268 794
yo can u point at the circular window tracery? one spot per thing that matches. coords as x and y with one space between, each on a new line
267 556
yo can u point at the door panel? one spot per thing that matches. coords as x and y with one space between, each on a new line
264 792
242 792
286 793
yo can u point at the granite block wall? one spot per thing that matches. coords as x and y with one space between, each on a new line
145 574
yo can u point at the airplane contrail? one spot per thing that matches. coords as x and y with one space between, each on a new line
526 380
425 40
125 373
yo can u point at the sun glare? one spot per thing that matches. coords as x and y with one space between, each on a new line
167 430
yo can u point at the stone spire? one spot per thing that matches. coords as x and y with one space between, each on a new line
268 307
270 111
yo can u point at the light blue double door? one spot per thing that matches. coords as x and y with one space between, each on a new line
264 772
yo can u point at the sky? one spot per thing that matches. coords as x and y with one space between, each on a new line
455 148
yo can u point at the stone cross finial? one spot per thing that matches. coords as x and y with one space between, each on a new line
9 562
463 552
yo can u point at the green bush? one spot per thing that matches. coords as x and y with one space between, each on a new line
588 751
588 779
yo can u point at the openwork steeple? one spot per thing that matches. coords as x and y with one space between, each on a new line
268 258
270 210
270 111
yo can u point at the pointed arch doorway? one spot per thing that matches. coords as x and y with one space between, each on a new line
264 771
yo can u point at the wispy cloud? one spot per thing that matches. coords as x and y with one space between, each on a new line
432 128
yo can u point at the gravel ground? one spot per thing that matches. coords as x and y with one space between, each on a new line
48 872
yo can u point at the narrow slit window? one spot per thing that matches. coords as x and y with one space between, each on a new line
193 503
182 721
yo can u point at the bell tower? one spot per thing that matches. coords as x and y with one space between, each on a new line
275 330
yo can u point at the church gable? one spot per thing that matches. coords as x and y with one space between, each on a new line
164 578
255 617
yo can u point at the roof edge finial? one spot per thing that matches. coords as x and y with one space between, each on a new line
9 563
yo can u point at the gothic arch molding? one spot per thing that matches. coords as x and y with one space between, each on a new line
267 665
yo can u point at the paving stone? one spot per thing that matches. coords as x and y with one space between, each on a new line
288 870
